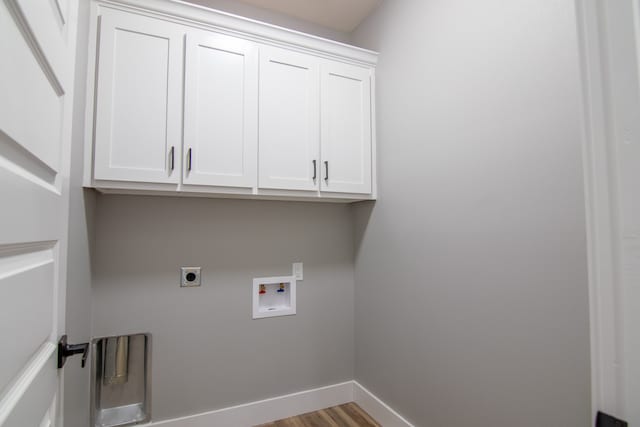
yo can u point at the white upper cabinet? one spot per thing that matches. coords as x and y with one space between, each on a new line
185 99
289 120
346 141
138 132
220 111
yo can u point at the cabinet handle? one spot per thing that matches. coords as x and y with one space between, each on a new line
326 171
172 158
315 172
189 160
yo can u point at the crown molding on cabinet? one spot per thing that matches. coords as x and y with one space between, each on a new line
238 26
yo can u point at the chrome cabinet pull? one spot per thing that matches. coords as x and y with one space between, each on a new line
326 171
172 158
189 160
315 173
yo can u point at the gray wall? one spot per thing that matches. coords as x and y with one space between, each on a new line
207 351
471 270
471 288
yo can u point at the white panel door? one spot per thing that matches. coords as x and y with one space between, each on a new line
346 128
139 99
36 81
221 111
289 118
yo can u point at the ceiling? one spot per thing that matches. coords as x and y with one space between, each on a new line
341 15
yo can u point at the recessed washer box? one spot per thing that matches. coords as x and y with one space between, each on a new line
274 296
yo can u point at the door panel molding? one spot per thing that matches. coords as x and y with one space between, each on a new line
47 45
39 376
20 161
26 292
61 8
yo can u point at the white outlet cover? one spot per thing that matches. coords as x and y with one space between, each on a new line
298 271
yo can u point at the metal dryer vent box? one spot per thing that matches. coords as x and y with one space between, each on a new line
121 380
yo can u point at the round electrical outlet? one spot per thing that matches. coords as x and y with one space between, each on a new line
190 277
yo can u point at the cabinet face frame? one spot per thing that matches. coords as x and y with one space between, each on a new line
168 170
346 146
222 141
303 160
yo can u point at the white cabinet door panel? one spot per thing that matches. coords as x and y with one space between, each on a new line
289 120
139 93
221 111
346 128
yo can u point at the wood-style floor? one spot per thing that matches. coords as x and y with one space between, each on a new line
348 415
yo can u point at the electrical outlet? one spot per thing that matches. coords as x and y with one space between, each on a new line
297 270
190 277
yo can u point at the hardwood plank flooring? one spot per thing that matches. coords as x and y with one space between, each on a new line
347 415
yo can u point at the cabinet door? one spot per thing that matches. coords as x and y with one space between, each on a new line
289 120
346 128
221 111
139 99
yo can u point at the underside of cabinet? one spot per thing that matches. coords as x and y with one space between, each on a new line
291 196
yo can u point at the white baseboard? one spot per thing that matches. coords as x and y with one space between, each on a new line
379 411
264 411
268 410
